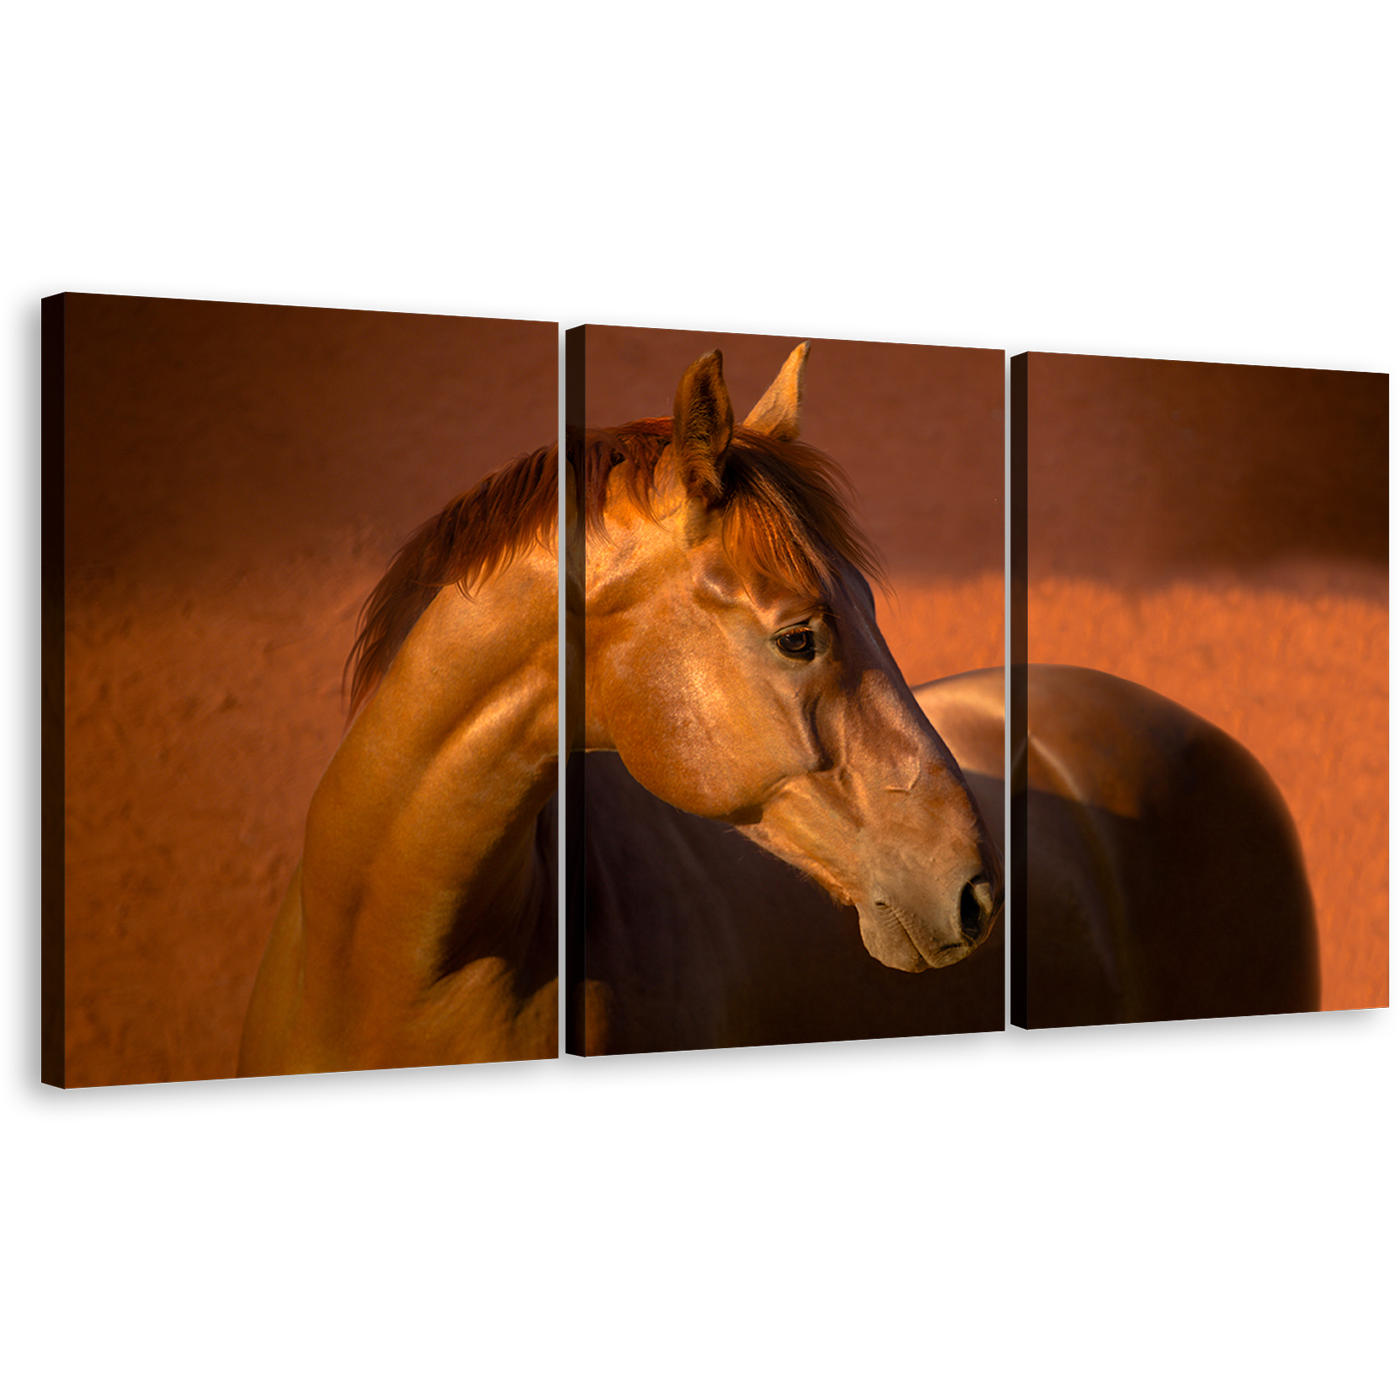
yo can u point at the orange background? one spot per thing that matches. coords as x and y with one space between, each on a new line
1219 533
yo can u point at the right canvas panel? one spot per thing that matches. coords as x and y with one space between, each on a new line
1202 786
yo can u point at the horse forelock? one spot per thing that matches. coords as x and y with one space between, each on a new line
783 510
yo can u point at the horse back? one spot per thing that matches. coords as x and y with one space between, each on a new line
1165 878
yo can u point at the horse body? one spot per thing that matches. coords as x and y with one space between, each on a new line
1165 876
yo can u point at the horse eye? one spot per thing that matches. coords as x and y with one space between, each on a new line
801 641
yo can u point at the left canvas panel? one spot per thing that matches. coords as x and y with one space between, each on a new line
301 690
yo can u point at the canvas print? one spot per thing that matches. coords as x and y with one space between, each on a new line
238 480
1203 782
785 690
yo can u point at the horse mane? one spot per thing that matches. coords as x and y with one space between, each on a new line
784 505
784 517
473 536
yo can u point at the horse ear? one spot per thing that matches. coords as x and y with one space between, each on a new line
778 412
702 427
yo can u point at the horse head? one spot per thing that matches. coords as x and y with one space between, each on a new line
733 661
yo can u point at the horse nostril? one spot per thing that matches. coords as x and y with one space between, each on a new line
975 908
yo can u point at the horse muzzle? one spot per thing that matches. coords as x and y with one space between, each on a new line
897 936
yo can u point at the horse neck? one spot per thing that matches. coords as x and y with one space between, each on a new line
476 690
422 849
629 560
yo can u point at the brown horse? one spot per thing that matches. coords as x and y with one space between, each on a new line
734 664
731 660
724 645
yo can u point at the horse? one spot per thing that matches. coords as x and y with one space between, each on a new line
1164 878
760 793
721 664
